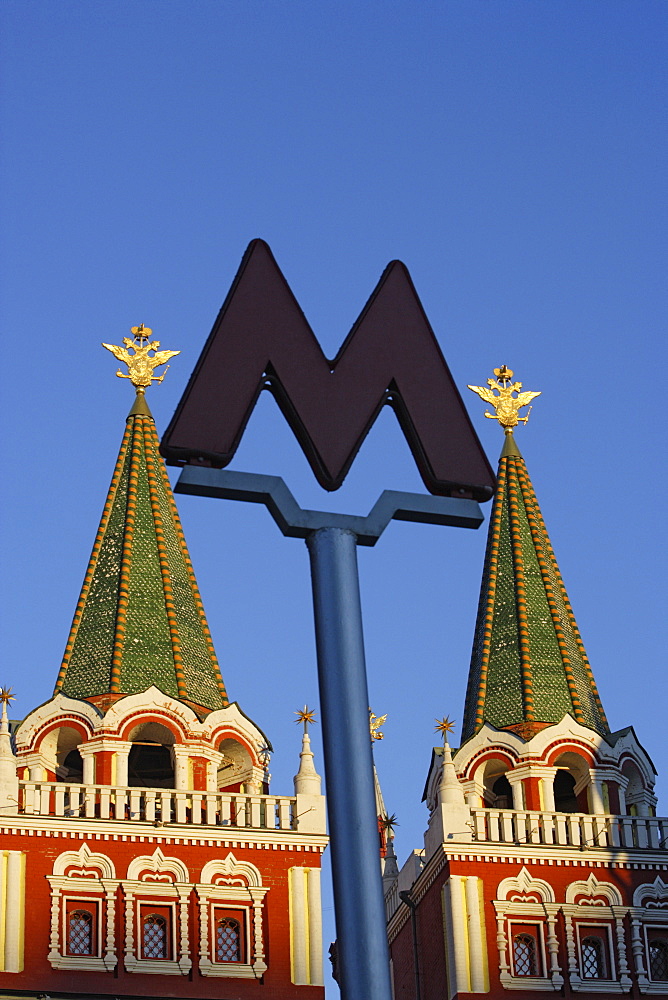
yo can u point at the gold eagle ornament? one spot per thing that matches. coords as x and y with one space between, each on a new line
140 363
506 405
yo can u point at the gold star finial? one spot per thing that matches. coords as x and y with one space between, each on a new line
389 823
444 726
140 364
506 406
375 722
305 715
7 695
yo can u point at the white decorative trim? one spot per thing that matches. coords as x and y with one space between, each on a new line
575 920
592 888
83 861
518 889
138 894
232 872
652 895
514 904
237 884
160 867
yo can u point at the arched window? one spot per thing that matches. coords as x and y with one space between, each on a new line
80 928
565 799
155 939
658 958
593 957
228 940
525 955
503 793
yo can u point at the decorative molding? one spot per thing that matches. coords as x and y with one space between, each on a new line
595 893
84 863
524 889
156 868
237 884
652 895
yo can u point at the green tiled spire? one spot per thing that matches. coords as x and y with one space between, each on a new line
528 667
140 619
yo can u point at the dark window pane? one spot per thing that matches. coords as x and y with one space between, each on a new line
228 940
593 958
155 936
658 959
524 953
80 933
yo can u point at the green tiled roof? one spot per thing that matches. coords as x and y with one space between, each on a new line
140 619
528 666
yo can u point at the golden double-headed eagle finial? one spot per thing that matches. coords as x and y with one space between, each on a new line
375 722
506 405
140 363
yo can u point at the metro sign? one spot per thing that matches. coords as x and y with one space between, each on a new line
262 340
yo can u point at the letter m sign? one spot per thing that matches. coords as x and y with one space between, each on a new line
262 340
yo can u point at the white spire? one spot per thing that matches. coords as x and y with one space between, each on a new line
9 784
307 780
451 819
450 791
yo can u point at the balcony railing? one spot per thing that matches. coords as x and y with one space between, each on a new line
157 805
509 826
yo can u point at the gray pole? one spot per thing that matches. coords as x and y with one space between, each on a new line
351 808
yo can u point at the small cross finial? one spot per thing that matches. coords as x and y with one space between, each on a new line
305 715
140 364
506 406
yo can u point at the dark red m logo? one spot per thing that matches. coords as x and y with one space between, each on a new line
262 340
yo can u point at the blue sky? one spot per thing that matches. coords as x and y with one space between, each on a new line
510 153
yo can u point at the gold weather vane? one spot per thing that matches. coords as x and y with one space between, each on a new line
444 726
375 722
140 365
305 715
506 406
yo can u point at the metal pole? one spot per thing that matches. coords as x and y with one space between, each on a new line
358 894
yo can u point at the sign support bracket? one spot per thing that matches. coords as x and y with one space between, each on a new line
332 541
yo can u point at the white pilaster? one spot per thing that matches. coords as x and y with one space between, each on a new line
14 912
298 949
314 927
477 947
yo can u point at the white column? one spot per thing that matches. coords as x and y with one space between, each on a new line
14 912
298 927
122 759
181 768
518 792
458 932
596 803
36 772
547 784
477 953
314 927
88 768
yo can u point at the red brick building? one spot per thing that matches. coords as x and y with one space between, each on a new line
544 867
141 851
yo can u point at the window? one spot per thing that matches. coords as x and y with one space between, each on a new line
228 937
657 946
80 931
155 928
592 950
526 950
